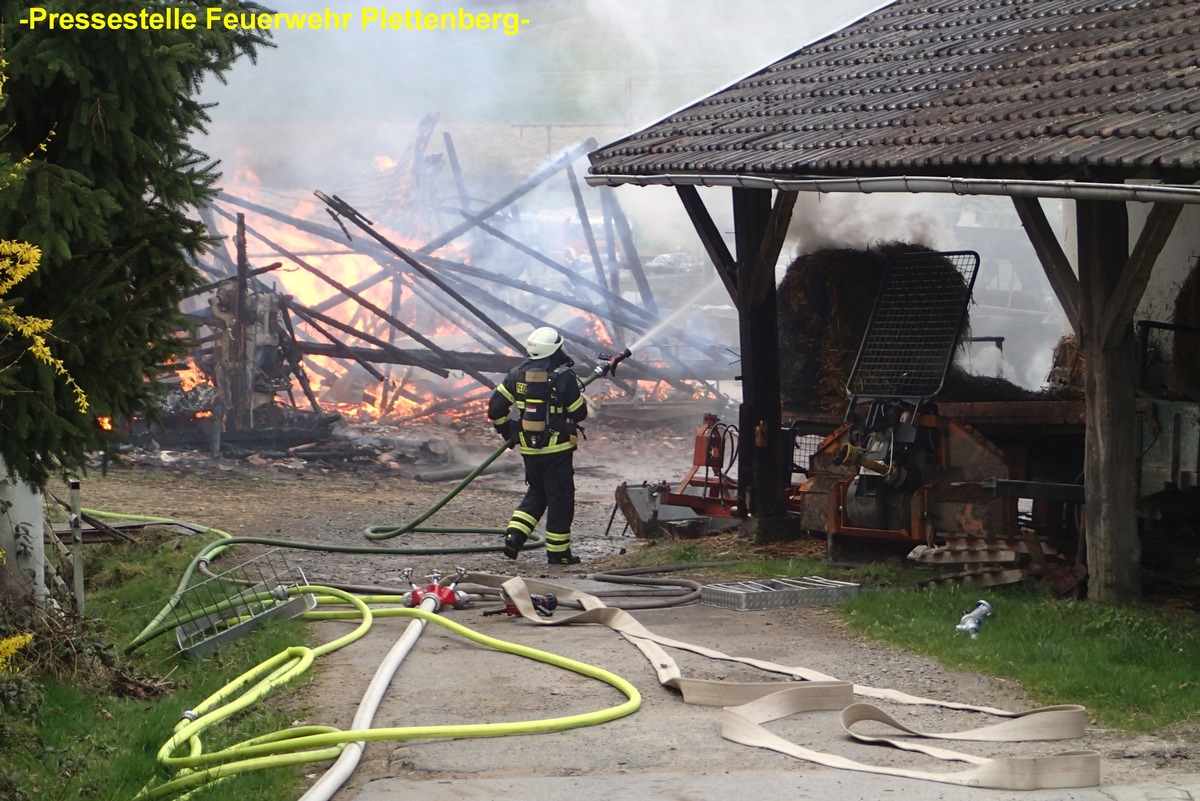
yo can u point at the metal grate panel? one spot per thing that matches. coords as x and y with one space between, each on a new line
777 593
229 605
914 326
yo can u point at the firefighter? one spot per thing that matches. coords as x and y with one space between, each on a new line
538 407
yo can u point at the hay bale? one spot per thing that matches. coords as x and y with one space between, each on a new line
825 301
1066 364
964 387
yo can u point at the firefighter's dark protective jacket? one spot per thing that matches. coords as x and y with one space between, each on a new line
540 402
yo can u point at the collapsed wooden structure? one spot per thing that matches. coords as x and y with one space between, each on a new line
449 313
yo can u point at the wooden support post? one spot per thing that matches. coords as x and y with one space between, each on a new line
760 461
240 393
1110 448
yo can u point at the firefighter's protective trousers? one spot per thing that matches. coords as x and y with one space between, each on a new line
551 491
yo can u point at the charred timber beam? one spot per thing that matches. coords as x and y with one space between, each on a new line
239 366
632 260
217 247
549 294
292 354
575 277
310 316
449 403
348 212
375 252
323 231
389 397
454 316
710 237
526 186
638 369
342 349
483 362
538 178
363 302
209 287
711 349
614 331
1117 320
460 183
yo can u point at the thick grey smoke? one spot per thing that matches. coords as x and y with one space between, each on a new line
331 109
327 102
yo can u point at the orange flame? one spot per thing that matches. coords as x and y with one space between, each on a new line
191 376
104 423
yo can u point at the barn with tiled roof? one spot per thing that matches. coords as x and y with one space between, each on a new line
1047 89
1088 100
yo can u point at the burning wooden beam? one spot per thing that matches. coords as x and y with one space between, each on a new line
348 212
483 362
363 302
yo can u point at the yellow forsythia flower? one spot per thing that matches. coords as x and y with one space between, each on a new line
9 646
17 261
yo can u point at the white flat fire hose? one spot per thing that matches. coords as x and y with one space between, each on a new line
747 706
332 780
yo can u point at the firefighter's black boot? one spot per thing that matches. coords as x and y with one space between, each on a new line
513 542
561 558
520 526
558 548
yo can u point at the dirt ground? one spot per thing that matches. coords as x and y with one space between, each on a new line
454 681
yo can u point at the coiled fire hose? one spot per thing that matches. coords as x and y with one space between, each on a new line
183 754
748 706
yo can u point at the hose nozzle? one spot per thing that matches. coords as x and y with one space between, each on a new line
610 366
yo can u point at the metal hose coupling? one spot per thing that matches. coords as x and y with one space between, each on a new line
972 621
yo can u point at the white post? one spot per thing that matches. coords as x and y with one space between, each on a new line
23 576
76 543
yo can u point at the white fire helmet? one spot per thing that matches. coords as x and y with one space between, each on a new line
542 343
